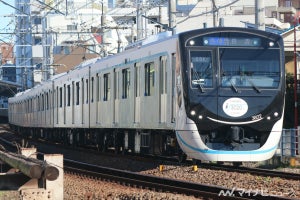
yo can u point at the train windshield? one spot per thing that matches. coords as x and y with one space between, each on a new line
238 67
249 67
201 68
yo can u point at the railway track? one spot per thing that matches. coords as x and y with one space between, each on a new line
229 168
253 171
177 186
161 184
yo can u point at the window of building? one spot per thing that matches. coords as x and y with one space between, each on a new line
72 27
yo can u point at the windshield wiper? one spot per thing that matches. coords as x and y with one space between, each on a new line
201 88
233 86
231 83
253 85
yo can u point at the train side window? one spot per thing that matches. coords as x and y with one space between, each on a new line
77 93
163 74
149 79
98 87
87 90
73 93
92 89
125 83
60 97
42 104
82 91
106 87
68 95
55 97
38 103
64 97
47 100
137 78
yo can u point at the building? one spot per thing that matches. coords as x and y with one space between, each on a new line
6 53
53 37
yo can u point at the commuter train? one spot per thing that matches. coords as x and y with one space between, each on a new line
214 94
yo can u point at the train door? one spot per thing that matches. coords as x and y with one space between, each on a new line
162 89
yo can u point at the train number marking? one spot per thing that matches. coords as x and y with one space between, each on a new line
257 117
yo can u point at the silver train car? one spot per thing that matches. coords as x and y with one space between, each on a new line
213 94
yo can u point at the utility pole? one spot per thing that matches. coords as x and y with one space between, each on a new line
295 88
215 12
139 23
260 14
172 15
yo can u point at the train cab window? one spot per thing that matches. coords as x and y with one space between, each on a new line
137 78
201 69
106 80
125 83
149 79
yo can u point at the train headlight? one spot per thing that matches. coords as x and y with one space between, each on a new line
276 114
200 117
192 42
193 112
271 44
268 118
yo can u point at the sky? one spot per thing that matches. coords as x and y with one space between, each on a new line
5 11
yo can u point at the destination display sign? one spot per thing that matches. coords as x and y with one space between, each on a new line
229 41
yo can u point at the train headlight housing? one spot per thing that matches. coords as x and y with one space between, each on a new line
193 112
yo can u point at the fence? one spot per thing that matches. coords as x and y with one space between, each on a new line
289 143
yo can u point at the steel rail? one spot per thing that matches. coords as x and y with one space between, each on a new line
162 184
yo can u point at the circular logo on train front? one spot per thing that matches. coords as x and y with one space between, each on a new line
235 107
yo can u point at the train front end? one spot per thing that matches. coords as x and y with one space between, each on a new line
230 94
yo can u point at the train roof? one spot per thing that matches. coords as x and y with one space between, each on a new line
151 39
